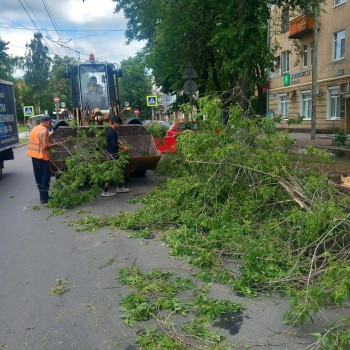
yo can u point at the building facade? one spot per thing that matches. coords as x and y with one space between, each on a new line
291 39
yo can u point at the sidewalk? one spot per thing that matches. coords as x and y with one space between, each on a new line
24 134
304 139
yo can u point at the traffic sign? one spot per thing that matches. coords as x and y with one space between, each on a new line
28 111
56 99
190 87
136 111
152 101
190 72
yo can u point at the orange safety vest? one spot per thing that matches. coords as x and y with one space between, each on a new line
34 148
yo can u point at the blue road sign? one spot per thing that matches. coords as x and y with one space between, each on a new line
28 111
152 101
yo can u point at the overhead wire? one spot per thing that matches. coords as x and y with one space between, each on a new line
60 42
35 24
52 20
66 30
35 16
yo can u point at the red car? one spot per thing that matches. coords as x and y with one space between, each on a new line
181 126
168 144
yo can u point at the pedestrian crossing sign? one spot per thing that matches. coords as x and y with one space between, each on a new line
28 111
152 101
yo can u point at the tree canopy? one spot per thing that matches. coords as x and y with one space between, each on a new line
135 84
36 64
226 42
6 61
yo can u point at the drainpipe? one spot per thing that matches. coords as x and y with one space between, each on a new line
268 70
314 75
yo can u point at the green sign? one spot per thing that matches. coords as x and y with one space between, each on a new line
28 111
286 79
152 101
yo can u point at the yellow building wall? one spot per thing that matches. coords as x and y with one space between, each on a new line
329 72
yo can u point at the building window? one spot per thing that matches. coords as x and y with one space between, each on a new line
283 106
336 103
312 52
306 104
339 45
338 2
285 61
304 55
285 20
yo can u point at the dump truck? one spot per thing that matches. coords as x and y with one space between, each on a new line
95 98
8 123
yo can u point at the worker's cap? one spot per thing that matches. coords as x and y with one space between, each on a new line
45 118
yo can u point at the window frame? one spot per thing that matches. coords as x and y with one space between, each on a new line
305 54
309 103
334 96
283 105
312 52
338 2
336 49
285 20
285 62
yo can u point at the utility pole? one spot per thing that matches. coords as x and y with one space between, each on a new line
314 74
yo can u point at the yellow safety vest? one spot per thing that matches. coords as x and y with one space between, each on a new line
34 148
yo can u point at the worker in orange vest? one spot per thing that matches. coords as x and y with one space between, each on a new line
38 147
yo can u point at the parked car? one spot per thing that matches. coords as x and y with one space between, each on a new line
166 123
178 127
168 143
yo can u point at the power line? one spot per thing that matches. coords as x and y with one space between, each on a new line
35 24
66 30
52 21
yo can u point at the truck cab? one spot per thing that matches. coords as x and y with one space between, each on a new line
94 89
8 122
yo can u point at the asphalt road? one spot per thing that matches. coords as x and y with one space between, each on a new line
36 248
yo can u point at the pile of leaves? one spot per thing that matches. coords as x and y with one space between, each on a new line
233 194
160 296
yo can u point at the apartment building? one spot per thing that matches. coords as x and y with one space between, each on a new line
290 81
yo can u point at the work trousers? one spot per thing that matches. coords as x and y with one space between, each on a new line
42 177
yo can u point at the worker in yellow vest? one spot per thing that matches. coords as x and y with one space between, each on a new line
38 147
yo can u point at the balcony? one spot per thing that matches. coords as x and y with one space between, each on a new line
300 26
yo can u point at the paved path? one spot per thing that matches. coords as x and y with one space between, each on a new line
23 135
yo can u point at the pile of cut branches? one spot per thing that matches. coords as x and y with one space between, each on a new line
232 193
87 167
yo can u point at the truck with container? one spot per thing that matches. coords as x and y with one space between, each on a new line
8 123
95 98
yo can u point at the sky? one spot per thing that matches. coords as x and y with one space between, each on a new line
70 28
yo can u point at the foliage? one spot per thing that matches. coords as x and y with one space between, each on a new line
60 287
336 337
156 129
341 138
235 194
36 64
156 295
59 85
224 41
6 62
295 121
86 169
136 84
